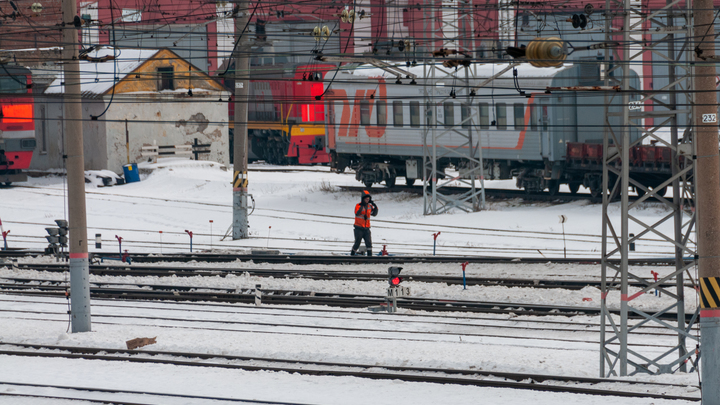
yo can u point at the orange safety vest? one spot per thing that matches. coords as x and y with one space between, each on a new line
362 216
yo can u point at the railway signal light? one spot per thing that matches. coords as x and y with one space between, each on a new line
62 232
52 236
394 278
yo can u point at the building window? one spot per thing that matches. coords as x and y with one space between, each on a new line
415 114
465 115
381 113
501 115
167 78
364 112
484 116
449 112
519 115
397 113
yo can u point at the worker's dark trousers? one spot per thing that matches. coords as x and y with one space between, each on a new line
362 233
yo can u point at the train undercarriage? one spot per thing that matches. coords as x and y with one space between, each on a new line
532 176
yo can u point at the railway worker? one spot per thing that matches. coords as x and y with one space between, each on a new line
363 211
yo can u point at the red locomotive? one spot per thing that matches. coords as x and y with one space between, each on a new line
286 124
17 125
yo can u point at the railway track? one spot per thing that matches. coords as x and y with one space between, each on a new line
264 257
333 323
155 271
479 378
119 290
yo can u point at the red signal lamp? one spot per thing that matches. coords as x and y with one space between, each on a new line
394 278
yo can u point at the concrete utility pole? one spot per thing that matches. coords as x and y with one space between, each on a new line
240 134
79 264
707 181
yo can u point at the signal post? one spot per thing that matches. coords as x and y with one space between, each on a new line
75 163
240 138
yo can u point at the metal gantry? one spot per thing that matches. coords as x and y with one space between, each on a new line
443 83
665 33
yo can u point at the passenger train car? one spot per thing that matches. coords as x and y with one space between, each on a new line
17 125
543 138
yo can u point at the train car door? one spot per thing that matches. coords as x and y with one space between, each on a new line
544 127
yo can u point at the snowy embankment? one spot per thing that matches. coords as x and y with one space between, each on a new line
305 212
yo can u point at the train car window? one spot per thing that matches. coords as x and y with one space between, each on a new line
519 115
397 113
429 115
465 115
501 115
364 112
381 113
484 116
533 117
449 112
415 114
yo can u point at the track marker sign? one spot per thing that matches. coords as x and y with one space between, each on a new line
635 105
709 118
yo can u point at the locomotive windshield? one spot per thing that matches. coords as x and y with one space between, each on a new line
12 84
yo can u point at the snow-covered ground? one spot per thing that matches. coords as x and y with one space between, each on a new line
306 212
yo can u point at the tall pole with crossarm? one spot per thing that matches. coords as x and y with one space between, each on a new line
77 221
240 134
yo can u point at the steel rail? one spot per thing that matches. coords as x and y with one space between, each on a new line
459 377
162 271
342 259
295 297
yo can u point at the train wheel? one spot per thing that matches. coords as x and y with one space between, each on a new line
595 192
368 183
7 184
640 192
553 187
574 187
390 182
409 182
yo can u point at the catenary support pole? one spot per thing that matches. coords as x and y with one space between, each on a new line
707 181
79 265
242 69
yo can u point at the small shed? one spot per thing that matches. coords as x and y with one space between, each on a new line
133 98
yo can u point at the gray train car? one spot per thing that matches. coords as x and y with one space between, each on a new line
376 126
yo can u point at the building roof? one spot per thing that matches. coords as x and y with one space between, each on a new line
97 78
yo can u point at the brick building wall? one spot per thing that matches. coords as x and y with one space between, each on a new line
22 29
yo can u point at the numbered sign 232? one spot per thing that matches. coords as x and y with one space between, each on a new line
709 118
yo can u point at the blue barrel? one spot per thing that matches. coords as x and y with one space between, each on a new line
131 173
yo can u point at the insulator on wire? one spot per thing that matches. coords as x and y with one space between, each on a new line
316 33
546 52
325 32
347 16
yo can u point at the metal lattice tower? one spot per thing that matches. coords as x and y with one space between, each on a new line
667 34
447 83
